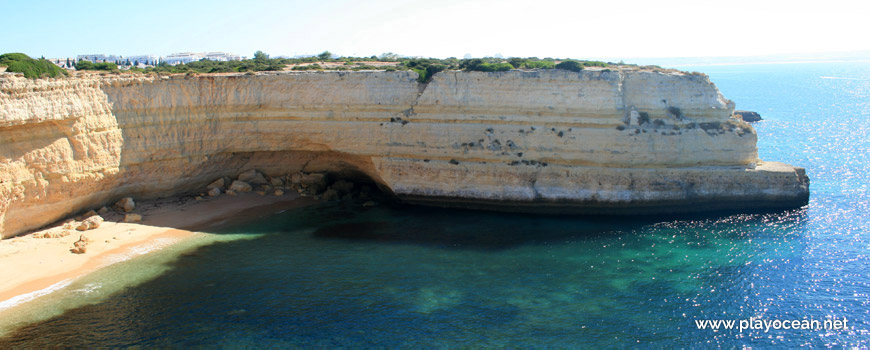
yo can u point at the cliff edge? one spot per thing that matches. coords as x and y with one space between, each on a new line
596 141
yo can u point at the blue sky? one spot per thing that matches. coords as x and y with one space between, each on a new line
437 28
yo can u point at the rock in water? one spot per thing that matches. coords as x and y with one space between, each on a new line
748 116
253 177
240 186
126 204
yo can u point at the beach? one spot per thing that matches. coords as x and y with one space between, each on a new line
32 265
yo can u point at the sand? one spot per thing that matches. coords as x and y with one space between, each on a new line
31 264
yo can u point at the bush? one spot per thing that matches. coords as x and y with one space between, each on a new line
21 63
571 65
482 66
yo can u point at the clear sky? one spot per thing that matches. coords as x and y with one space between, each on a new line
437 28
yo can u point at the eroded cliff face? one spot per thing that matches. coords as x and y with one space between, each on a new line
606 141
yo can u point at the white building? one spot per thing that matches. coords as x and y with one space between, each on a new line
142 59
187 57
183 57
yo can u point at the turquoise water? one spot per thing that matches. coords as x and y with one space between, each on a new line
340 275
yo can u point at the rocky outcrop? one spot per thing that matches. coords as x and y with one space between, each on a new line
595 141
747 116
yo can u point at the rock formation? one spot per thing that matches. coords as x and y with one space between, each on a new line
747 116
597 141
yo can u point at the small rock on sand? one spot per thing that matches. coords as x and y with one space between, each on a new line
90 223
132 218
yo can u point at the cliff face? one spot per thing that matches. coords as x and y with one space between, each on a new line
593 142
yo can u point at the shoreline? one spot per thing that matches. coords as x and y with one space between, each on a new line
44 265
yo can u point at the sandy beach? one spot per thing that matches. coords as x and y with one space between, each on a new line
32 264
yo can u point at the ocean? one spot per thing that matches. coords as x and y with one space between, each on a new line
342 276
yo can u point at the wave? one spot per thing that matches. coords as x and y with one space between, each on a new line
23 298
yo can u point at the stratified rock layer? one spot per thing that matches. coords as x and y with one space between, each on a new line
596 141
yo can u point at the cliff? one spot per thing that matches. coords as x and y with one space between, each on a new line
597 141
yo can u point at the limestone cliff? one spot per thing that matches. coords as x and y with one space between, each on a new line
596 141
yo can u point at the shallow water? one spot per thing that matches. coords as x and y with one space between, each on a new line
340 275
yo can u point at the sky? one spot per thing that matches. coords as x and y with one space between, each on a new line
437 28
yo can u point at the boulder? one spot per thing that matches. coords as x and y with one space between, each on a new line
296 179
103 210
253 177
126 204
279 192
231 192
87 215
240 186
217 184
90 223
343 187
80 246
315 182
748 116
132 217
331 195
214 192
276 181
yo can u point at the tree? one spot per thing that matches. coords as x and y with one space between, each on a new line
68 63
389 56
325 55
260 56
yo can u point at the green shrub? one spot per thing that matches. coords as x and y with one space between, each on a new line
539 65
21 63
571 65
480 65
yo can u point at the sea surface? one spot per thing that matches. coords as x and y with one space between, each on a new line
343 276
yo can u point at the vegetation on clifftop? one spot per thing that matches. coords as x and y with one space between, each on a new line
33 69
424 67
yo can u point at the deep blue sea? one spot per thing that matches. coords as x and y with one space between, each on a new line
343 276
